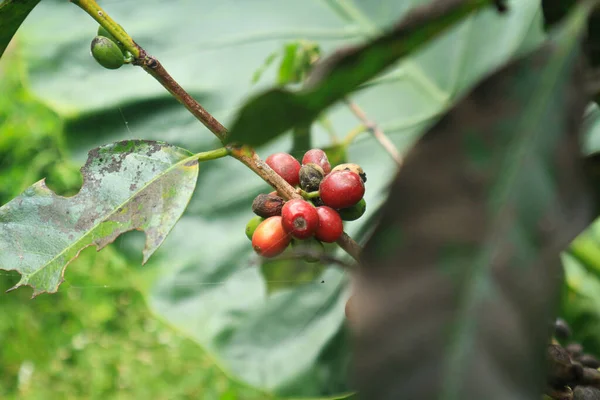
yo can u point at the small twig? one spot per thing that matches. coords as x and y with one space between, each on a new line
350 246
375 130
244 154
309 195
152 66
211 154
248 157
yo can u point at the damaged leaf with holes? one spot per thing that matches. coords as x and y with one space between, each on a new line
128 185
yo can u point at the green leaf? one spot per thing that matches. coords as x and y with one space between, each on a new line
207 283
586 248
462 275
272 113
127 185
287 68
581 307
282 274
12 15
297 61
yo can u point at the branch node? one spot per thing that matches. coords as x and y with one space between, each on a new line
151 62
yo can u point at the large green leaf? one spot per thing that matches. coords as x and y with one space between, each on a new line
272 113
127 185
208 285
462 276
12 14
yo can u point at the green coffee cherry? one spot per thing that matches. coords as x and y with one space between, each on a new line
355 212
251 226
107 53
107 34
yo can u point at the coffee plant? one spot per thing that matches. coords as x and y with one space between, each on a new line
425 265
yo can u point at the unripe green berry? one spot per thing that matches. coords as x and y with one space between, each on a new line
311 176
355 212
251 226
107 53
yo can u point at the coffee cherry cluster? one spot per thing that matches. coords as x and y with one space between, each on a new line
571 373
330 196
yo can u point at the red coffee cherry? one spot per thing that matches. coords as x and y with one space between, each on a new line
318 157
286 166
341 189
299 218
269 238
330 227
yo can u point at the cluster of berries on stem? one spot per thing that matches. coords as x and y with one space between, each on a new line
330 196
571 373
